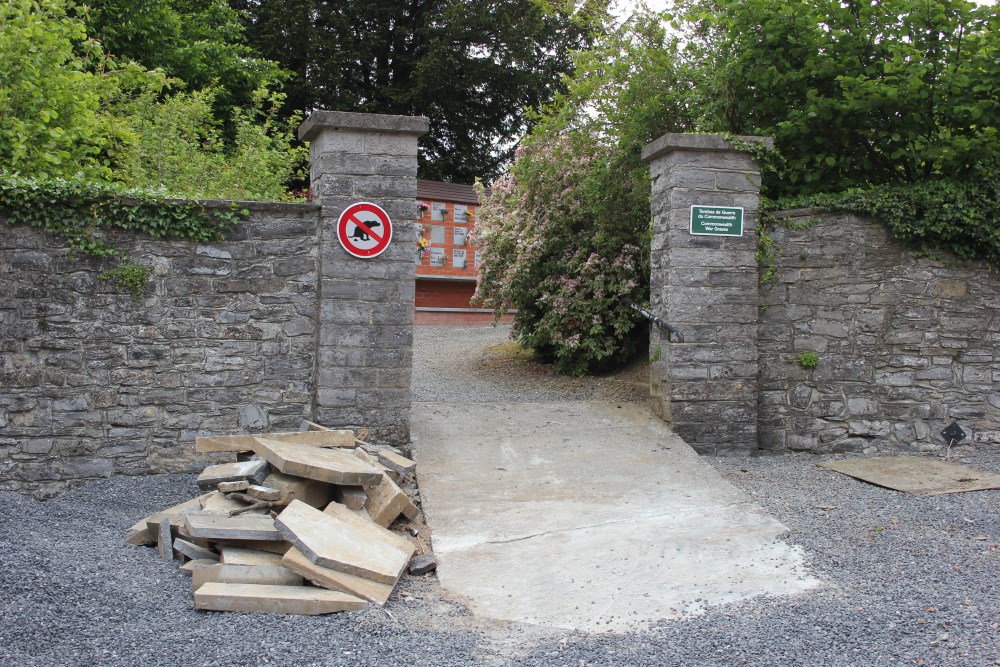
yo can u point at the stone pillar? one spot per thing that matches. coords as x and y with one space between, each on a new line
705 286
365 339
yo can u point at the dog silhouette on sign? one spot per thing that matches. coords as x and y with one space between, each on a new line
360 234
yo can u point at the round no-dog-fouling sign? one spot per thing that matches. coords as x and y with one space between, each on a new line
364 230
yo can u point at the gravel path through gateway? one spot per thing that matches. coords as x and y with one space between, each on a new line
912 580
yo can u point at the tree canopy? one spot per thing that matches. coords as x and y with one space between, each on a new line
70 110
854 93
474 67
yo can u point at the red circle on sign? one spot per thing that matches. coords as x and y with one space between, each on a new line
364 230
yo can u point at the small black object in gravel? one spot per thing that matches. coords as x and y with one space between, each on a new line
423 564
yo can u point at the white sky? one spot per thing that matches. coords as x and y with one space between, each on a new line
625 7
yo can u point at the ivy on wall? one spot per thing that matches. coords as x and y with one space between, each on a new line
958 217
87 216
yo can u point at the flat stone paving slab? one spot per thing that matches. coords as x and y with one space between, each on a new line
584 515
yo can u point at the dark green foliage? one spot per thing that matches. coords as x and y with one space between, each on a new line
854 93
199 42
473 67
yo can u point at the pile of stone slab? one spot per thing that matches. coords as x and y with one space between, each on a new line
298 524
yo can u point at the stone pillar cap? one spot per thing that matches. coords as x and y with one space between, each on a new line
345 120
708 143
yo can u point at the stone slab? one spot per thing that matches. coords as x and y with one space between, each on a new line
240 527
340 544
231 555
310 491
253 471
360 520
190 566
916 474
372 591
263 492
164 540
278 547
219 503
397 463
139 534
175 514
276 575
386 501
194 551
232 487
326 465
352 497
216 596
523 533
245 443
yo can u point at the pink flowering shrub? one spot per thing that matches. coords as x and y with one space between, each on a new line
565 239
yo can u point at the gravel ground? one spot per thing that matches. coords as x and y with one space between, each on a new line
910 580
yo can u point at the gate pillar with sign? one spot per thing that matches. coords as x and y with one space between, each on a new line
365 340
704 282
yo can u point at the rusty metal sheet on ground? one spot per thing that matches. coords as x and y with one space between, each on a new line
914 474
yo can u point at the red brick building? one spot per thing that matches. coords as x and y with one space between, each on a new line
447 270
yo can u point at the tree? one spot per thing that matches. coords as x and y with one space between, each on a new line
473 67
565 233
854 93
51 91
70 111
197 42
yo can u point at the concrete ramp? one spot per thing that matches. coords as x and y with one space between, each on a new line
589 516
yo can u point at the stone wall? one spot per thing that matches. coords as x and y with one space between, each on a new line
276 324
95 382
906 345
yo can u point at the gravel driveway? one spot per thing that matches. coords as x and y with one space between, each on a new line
911 580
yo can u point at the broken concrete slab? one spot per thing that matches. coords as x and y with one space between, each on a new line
372 591
253 471
523 535
276 575
332 542
245 443
251 527
326 465
308 600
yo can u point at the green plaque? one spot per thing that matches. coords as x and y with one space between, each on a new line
717 220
